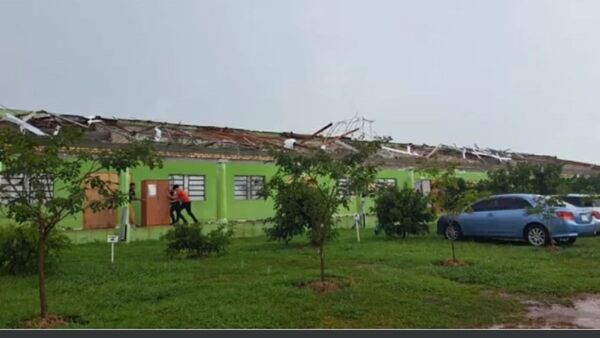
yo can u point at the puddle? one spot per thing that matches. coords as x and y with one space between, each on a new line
583 313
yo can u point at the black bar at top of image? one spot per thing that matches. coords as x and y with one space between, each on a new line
299 333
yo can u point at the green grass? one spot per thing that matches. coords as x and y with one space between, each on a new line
394 284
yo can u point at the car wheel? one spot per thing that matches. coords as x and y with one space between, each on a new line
453 232
537 235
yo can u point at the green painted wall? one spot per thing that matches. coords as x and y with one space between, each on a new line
472 176
402 176
203 210
245 215
247 209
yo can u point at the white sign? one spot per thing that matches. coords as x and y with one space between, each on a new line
151 190
112 239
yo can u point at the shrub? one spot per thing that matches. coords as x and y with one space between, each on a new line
189 241
19 249
402 212
290 217
297 205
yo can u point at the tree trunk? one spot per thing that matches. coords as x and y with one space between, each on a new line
453 255
322 262
42 276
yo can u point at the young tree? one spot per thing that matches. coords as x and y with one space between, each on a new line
402 212
306 192
452 195
29 163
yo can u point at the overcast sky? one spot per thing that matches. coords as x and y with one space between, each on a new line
505 74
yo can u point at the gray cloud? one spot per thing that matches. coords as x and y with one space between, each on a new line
506 74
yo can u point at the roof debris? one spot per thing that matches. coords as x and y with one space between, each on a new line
214 142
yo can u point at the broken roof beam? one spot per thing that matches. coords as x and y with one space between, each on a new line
403 152
60 117
315 134
333 139
23 125
434 150
345 145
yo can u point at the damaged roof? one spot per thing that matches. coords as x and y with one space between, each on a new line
208 142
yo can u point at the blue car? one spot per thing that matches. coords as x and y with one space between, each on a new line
509 216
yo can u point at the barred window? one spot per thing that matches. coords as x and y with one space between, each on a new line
386 182
345 187
19 186
248 187
193 184
423 186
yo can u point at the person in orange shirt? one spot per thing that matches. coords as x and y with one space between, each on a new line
185 203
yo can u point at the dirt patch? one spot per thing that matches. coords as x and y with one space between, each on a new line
582 312
47 323
451 262
326 286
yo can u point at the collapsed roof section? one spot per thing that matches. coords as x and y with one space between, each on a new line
190 141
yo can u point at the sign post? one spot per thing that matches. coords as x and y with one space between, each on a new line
112 239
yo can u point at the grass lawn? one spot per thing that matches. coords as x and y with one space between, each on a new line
394 284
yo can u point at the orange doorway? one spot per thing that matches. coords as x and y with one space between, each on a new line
156 205
104 219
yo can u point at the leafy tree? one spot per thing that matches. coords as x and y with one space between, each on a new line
526 178
584 184
292 202
28 162
402 212
306 193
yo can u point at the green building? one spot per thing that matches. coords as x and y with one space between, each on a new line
223 168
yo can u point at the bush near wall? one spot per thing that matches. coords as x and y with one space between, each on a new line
189 241
402 212
19 249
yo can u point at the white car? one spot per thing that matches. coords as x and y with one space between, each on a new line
586 201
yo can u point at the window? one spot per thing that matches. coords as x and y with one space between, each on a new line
248 187
11 188
386 182
582 201
193 184
18 186
576 201
345 187
484 205
512 203
423 186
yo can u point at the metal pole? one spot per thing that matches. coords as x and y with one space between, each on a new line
112 253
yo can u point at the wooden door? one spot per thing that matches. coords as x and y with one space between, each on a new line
105 219
156 204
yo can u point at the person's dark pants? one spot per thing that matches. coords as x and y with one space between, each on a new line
187 206
175 213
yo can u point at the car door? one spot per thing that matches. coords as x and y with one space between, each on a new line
509 217
475 221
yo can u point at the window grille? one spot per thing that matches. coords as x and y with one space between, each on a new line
248 187
195 185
